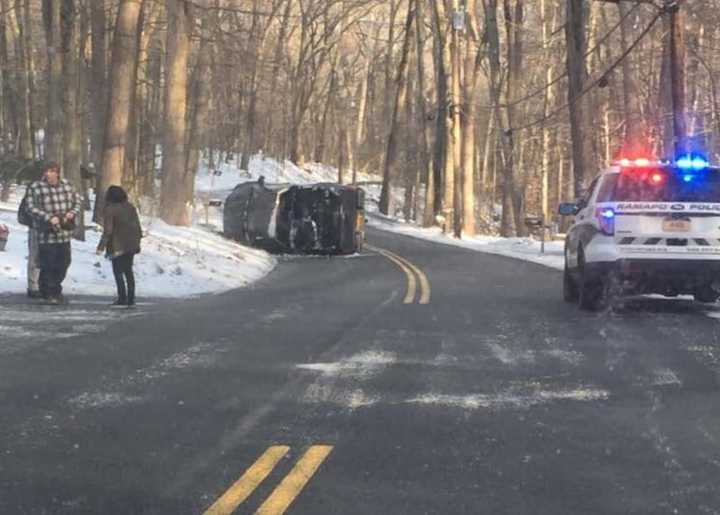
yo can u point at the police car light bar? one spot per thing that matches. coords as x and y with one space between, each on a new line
688 162
640 162
692 163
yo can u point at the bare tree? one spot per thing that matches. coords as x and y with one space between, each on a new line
400 92
174 201
124 53
53 142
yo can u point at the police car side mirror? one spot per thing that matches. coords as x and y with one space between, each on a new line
569 208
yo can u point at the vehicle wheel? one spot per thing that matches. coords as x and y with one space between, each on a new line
591 292
570 288
614 295
706 294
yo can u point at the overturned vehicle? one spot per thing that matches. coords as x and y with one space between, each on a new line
323 218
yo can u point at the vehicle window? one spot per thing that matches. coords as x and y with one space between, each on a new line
667 185
607 187
589 192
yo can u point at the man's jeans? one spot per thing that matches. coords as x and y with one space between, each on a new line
54 260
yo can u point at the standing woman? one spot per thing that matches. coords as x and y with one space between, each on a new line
121 241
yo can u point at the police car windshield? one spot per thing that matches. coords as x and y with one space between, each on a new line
666 185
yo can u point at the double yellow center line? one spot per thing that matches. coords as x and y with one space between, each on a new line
414 275
285 493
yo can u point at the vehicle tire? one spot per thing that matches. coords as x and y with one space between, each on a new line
590 292
614 295
570 287
706 294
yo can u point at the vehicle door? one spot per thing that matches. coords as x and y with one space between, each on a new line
583 227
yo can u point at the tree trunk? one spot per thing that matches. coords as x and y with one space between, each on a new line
441 90
149 128
98 92
53 143
275 74
473 59
173 197
548 23
250 140
421 117
577 74
29 55
677 65
514 25
448 170
25 149
71 86
361 112
198 140
319 154
7 94
124 53
632 144
400 92
456 134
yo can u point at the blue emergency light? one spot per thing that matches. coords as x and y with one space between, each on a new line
690 162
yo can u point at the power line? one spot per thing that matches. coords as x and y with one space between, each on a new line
592 85
564 74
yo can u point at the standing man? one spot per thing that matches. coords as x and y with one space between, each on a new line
54 204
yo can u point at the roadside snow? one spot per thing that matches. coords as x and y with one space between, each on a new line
187 261
175 261
526 249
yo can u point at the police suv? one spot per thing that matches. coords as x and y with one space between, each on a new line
645 227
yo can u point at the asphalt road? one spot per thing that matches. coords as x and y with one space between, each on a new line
327 389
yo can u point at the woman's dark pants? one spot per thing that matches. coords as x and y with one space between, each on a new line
123 272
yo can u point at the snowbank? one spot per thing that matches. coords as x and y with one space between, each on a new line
175 261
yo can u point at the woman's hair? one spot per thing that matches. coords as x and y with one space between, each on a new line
115 195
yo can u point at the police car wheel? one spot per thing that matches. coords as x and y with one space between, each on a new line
570 288
591 292
614 295
706 294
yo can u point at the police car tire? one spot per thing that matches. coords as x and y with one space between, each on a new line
570 288
706 294
614 295
591 293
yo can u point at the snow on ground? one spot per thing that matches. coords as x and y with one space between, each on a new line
186 261
175 261
526 249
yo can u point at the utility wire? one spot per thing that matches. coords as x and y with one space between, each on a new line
564 74
594 83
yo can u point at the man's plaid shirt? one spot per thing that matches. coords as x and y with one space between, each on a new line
45 201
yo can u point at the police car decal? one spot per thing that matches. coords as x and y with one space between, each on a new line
669 207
